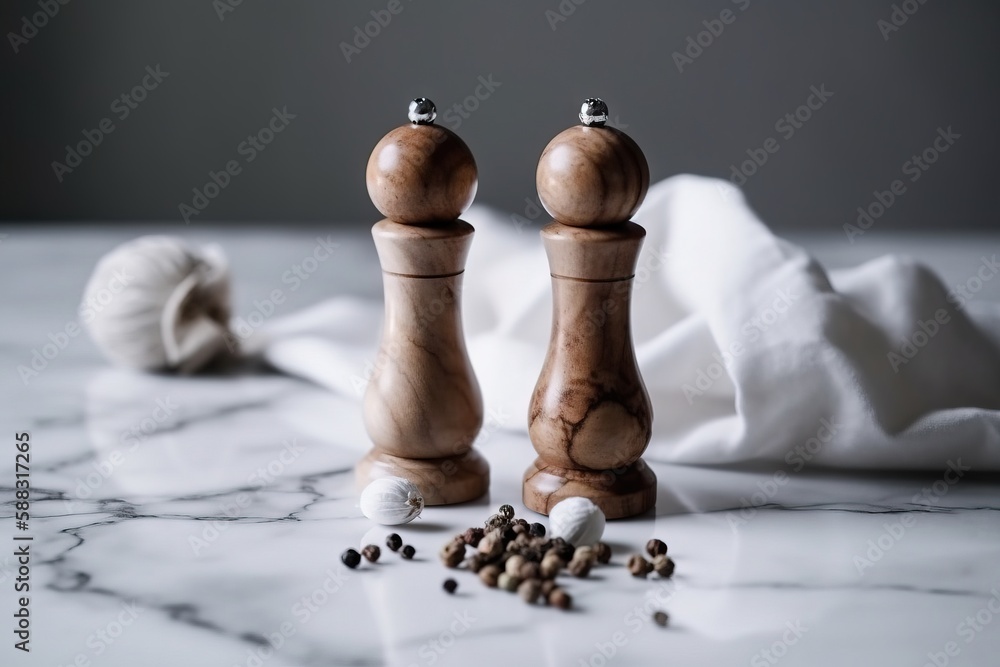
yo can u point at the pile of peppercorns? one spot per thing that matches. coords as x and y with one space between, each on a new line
514 555
352 558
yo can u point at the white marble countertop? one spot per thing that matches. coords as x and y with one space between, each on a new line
199 521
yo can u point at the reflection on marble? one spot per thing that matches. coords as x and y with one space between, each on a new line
199 521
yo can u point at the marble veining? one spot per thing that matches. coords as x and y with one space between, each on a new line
214 539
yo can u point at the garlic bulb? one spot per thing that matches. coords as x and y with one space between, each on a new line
578 521
156 303
391 501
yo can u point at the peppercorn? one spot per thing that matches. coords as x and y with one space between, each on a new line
529 590
394 541
491 545
408 552
639 566
371 553
656 548
563 549
529 570
518 529
450 585
531 553
579 567
603 553
508 534
661 618
547 586
522 522
453 553
551 565
472 536
537 530
350 558
508 582
506 512
475 563
560 598
513 565
489 575
664 566
585 553
495 521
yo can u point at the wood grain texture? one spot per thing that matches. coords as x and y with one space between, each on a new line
620 493
592 176
590 412
420 174
423 401
443 481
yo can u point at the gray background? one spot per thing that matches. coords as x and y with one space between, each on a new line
890 96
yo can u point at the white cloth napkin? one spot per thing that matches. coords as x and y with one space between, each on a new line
750 350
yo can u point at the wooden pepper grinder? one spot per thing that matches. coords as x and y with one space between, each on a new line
423 407
590 417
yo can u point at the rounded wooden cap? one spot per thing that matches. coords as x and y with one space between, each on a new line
421 173
592 175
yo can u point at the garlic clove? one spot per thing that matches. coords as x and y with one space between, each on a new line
391 501
578 521
150 302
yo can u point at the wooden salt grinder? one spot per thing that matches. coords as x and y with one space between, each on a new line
590 417
423 407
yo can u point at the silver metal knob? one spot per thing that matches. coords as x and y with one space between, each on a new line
594 112
422 111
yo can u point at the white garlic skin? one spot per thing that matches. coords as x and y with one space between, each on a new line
157 303
578 521
391 501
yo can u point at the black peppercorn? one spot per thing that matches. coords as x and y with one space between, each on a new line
560 598
371 553
472 536
522 522
603 552
664 566
450 585
661 618
656 548
350 558
408 552
394 541
506 512
639 566
537 530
